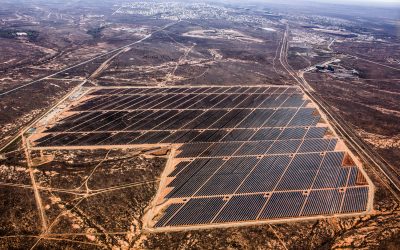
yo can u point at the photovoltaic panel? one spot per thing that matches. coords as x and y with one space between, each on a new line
241 208
239 135
256 119
242 153
332 145
169 212
221 184
354 172
254 148
292 133
314 145
193 149
323 202
187 137
238 165
189 187
175 136
266 175
179 167
296 100
331 178
184 175
266 134
232 119
284 147
205 120
211 136
211 166
304 117
221 149
283 205
197 211
355 200
280 118
301 172
333 160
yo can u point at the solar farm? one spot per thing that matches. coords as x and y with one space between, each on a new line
238 154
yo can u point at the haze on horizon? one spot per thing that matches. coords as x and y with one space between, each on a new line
382 3
362 2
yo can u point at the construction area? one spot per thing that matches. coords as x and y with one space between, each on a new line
237 154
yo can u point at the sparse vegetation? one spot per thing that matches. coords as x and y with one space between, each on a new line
31 35
96 32
106 211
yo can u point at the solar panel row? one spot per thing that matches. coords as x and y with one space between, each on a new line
355 200
218 176
230 90
300 173
226 149
320 202
262 207
283 205
168 213
266 175
214 135
197 211
240 208
192 101
179 167
181 119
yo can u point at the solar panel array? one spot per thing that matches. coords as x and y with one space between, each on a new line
244 153
120 116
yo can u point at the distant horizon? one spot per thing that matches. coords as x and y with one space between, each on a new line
361 2
371 3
